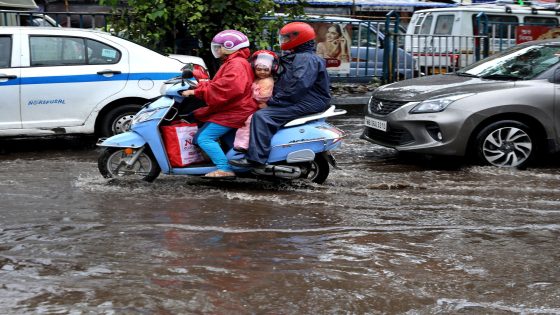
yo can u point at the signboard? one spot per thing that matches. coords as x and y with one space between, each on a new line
333 44
528 33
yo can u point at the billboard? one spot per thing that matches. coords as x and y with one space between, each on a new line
333 44
526 33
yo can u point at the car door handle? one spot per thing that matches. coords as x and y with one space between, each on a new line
9 77
103 72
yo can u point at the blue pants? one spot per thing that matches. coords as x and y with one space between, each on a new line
267 121
207 139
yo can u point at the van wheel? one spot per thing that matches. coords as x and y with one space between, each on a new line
506 143
118 120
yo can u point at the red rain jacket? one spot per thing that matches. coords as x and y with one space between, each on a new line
228 95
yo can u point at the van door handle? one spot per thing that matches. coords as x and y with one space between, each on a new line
103 72
9 77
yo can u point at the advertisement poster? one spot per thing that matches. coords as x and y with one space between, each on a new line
528 33
333 44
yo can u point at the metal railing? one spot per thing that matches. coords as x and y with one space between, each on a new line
368 47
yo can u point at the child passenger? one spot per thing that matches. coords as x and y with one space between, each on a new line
227 96
265 64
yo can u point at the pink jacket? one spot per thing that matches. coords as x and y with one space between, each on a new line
262 90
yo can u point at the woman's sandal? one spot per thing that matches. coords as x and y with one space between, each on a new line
218 174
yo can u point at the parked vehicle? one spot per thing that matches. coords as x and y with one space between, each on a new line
75 81
445 39
24 18
504 109
301 149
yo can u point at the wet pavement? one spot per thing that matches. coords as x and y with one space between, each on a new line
383 235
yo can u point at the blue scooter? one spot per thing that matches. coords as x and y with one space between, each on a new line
301 149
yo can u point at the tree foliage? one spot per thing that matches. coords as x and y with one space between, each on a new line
159 24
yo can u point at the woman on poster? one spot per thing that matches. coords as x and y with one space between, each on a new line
336 45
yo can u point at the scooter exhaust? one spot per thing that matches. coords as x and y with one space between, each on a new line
281 171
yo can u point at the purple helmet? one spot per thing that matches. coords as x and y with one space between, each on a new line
230 41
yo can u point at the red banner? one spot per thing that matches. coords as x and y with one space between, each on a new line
529 33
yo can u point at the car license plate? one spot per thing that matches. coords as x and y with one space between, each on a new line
376 124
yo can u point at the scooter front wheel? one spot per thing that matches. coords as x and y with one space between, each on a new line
113 163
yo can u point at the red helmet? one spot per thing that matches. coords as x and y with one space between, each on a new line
294 34
266 58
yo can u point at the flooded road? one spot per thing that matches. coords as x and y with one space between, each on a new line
382 236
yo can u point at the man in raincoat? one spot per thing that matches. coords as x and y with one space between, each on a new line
302 89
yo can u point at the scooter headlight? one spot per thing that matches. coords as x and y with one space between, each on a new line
143 116
163 88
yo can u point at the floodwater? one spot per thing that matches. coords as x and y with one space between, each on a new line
383 235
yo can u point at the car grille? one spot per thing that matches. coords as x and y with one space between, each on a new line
383 107
393 136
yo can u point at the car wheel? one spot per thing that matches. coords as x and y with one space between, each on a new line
506 143
118 120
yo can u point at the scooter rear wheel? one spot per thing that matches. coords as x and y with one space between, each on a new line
318 169
112 164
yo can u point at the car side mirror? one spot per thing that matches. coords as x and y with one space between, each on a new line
556 76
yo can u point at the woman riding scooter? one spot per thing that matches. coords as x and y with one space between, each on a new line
228 97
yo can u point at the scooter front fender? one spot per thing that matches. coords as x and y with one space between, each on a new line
128 139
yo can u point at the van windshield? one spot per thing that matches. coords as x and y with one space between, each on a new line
523 62
423 24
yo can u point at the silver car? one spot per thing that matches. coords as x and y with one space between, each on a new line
504 109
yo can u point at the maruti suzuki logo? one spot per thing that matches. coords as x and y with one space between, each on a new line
379 106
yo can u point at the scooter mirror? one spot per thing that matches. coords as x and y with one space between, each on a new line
187 74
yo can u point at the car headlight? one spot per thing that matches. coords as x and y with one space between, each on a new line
143 116
437 104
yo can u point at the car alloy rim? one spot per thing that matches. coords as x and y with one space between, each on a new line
507 147
122 124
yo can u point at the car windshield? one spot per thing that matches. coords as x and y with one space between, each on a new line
523 62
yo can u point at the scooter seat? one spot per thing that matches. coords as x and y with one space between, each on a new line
331 111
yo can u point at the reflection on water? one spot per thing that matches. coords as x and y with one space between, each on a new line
383 235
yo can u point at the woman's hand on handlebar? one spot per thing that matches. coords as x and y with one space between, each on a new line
187 93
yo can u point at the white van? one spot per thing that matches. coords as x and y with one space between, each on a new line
444 39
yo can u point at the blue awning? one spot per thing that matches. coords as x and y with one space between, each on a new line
372 3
